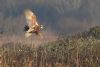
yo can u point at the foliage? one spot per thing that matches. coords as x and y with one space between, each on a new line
72 51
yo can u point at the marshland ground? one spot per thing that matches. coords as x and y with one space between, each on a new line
79 50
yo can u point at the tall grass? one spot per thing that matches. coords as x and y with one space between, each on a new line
81 50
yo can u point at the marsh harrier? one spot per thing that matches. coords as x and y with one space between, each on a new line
32 25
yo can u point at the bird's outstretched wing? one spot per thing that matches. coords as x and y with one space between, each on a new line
30 18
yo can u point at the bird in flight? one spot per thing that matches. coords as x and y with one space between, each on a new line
32 25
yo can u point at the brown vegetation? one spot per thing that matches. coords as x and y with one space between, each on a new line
72 51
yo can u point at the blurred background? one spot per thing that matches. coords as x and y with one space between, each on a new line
58 16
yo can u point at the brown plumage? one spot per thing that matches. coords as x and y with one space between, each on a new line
33 26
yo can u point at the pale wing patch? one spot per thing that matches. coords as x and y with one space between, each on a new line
30 18
28 34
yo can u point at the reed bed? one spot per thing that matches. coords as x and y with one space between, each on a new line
80 50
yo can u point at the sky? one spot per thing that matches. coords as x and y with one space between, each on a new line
62 17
